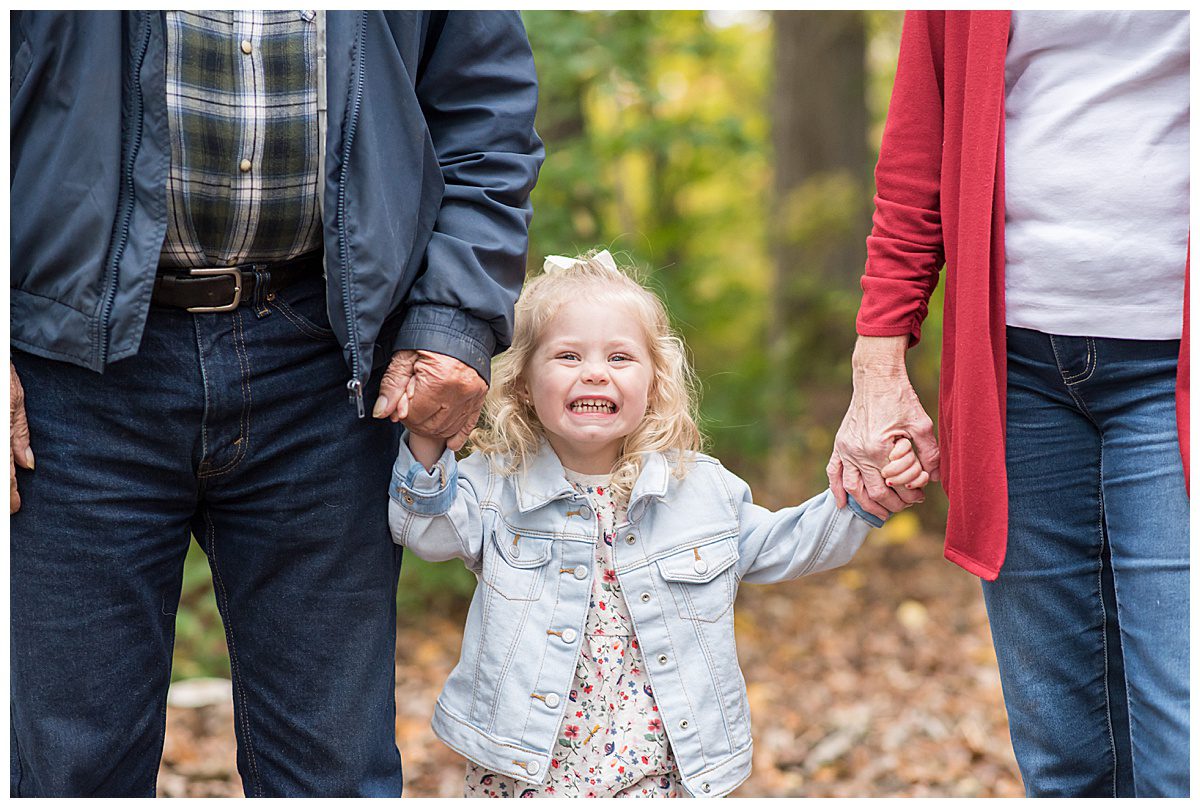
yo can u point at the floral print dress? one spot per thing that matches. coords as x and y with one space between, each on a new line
611 742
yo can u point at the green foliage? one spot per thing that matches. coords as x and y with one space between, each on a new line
199 634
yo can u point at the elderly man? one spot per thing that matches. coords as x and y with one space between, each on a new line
225 225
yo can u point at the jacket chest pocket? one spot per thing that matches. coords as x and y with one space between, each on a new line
515 565
702 579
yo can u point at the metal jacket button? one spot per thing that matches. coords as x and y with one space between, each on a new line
631 539
662 659
706 788
645 597
581 572
569 635
684 724
552 700
701 566
532 767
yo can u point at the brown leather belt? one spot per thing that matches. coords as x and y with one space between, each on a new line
214 289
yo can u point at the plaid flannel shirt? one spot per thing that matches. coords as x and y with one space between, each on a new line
244 180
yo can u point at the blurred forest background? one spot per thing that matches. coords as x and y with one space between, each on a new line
729 156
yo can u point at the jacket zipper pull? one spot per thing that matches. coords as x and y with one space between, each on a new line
356 396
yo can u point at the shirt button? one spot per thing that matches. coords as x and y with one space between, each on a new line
631 539
581 572
701 566
552 700
244 166
532 767
662 659
645 597
569 635
247 48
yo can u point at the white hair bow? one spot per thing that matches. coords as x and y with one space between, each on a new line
558 263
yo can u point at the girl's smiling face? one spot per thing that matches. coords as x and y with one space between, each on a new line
589 381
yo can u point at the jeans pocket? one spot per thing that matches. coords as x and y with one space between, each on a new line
515 565
303 304
702 579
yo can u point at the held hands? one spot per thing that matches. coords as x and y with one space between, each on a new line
905 468
19 452
883 410
434 395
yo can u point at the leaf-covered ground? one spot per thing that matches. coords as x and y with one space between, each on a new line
878 679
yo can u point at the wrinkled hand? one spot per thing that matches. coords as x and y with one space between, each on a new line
433 394
18 438
883 410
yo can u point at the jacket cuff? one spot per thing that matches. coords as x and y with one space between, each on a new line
450 331
869 518
426 493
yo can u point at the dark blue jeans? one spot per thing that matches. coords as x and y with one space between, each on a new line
234 428
1090 613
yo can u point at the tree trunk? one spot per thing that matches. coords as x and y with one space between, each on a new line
820 220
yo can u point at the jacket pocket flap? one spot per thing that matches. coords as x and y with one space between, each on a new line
699 563
522 551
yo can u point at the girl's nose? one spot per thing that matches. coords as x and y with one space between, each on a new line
594 373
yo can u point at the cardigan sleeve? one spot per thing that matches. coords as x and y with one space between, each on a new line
905 250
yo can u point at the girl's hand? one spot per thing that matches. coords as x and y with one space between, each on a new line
426 450
903 468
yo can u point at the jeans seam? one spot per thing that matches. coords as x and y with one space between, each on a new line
204 385
1112 740
239 347
656 581
235 665
12 709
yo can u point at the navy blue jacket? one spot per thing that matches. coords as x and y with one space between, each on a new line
431 155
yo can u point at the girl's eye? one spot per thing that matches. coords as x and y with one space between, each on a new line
620 357
568 355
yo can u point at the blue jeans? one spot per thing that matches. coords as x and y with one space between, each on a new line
234 428
1090 612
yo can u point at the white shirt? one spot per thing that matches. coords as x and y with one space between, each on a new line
1097 172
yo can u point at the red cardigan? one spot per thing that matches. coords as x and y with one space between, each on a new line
940 200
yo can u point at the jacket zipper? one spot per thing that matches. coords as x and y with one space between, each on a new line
355 385
126 214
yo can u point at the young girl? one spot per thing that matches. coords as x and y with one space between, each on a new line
599 655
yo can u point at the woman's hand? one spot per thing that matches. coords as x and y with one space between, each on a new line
883 409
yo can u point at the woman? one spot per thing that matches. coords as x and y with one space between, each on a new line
1043 158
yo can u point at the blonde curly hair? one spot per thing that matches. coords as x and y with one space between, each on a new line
510 432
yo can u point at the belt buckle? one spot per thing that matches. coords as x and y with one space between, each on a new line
232 272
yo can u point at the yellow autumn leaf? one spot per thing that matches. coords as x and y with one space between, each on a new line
899 529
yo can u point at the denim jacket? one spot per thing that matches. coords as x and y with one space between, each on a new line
679 557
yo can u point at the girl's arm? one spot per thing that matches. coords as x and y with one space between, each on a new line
434 510
780 545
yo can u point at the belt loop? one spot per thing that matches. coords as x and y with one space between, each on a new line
262 283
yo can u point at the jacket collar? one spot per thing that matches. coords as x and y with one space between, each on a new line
543 480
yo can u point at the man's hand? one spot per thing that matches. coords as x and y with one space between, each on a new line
433 394
883 409
18 438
